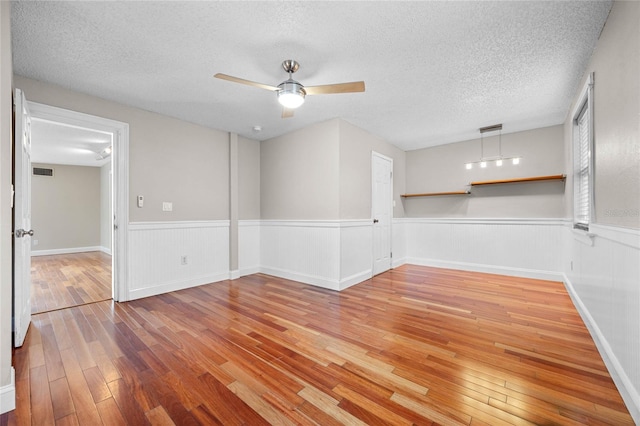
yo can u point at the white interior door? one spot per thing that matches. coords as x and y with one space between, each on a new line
22 231
382 211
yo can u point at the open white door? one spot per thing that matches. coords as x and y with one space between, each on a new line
22 231
381 210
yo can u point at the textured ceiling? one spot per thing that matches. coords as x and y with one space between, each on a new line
434 71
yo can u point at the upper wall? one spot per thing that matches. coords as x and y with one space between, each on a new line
169 159
356 146
615 64
299 178
65 208
442 169
248 179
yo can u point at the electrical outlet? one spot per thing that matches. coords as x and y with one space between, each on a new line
36 242
183 260
167 206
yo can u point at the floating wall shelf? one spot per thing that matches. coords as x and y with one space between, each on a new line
518 180
489 182
432 194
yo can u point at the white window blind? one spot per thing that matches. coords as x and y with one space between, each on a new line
582 164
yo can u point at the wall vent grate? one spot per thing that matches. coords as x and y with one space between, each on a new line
41 171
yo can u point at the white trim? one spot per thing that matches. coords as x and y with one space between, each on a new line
490 269
582 236
235 274
69 250
303 223
626 236
621 379
8 394
355 279
311 223
486 221
177 285
105 250
249 222
243 272
300 277
147 226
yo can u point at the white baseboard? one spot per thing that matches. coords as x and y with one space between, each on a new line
66 251
398 262
303 278
234 275
8 394
176 285
355 279
105 250
626 388
490 269
248 271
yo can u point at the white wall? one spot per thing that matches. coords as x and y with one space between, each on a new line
442 169
603 267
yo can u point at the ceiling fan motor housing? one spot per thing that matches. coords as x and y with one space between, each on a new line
291 93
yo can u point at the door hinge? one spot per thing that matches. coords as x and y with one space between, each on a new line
391 254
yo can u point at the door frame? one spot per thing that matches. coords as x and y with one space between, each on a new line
120 196
375 154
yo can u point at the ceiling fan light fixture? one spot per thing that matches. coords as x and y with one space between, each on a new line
291 94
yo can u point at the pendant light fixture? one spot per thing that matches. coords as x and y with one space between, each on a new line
496 161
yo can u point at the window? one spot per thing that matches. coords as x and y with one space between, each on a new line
583 159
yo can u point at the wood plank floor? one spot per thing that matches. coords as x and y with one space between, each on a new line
414 345
65 280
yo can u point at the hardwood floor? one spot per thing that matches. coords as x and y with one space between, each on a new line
65 280
414 345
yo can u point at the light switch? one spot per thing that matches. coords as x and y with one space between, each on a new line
167 206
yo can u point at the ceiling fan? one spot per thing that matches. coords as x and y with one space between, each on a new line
291 93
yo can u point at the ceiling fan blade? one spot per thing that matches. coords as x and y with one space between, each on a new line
354 86
243 81
287 112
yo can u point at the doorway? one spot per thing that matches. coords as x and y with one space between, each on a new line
71 214
118 212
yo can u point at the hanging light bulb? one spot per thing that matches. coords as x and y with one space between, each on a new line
499 162
469 166
516 161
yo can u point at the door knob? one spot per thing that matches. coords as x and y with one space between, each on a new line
21 233
375 220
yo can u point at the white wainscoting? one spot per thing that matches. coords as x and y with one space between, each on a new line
156 249
602 274
356 252
8 394
519 247
329 254
248 247
398 243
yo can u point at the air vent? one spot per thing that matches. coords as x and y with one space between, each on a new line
40 171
